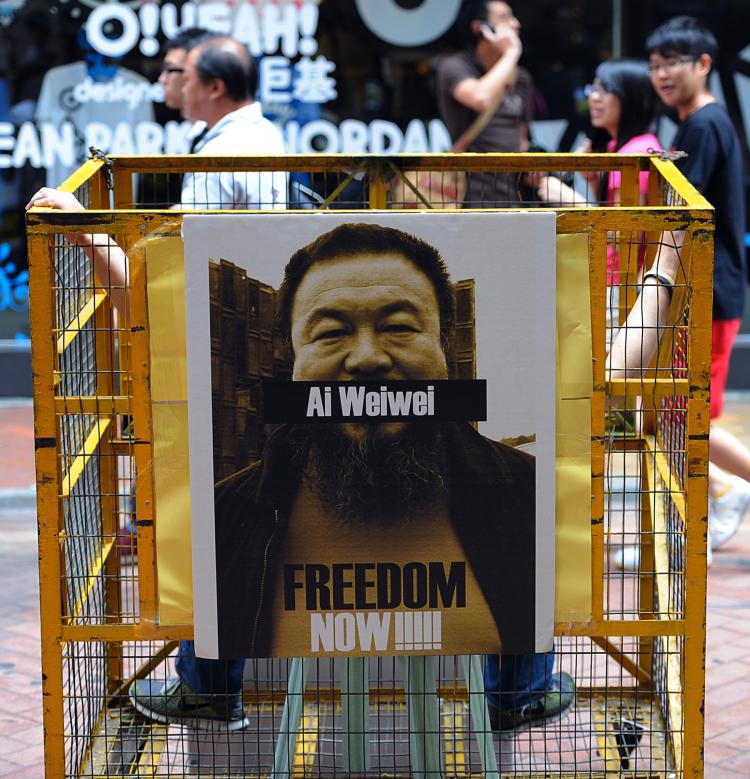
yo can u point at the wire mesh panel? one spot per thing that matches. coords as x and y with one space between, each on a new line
637 661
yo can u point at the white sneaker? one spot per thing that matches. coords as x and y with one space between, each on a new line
725 514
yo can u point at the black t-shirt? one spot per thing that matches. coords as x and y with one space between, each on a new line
714 167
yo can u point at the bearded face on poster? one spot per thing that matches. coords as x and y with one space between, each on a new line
414 527
357 315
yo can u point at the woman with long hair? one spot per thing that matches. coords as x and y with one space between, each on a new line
622 108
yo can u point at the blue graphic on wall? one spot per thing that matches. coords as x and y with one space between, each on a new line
14 284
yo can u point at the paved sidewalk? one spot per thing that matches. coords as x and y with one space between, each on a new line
728 660
727 746
16 454
21 754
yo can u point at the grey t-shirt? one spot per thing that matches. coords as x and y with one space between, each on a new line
501 134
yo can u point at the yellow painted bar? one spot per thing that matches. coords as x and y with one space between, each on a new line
680 733
396 696
47 220
657 498
698 413
85 173
571 220
80 319
344 163
671 483
99 190
673 659
89 447
104 326
123 187
153 632
653 387
605 741
620 657
148 765
646 589
145 669
143 449
87 761
659 487
43 354
92 579
378 194
628 244
503 775
101 405
307 742
127 632
630 185
671 174
598 287
454 746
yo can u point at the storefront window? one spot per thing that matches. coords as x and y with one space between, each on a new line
338 76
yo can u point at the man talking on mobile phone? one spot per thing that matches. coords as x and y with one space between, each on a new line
485 97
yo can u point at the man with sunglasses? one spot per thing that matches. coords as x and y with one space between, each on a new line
681 55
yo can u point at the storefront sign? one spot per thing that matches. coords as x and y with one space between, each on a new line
109 107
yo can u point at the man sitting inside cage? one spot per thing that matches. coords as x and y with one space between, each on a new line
365 302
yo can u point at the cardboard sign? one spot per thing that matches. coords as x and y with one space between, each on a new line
373 534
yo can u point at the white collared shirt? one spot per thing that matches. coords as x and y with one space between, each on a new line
244 131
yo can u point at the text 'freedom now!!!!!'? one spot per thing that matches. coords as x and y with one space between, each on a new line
448 400
408 597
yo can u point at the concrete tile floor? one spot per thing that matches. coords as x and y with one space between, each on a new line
727 740
20 678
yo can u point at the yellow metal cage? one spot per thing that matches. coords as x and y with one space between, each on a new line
638 661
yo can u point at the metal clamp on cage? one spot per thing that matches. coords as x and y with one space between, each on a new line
664 155
98 154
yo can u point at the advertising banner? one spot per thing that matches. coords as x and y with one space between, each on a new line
403 498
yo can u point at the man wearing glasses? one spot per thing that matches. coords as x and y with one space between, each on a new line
175 53
173 67
681 55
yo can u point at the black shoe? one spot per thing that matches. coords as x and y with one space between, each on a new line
174 702
550 706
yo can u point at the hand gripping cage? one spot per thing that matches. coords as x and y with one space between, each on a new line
638 662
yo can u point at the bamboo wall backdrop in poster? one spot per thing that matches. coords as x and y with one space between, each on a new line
399 498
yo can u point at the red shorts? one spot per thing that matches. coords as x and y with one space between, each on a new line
723 333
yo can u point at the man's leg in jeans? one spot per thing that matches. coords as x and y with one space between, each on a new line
208 677
522 688
518 679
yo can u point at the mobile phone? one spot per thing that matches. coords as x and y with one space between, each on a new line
487 26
